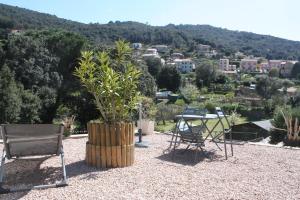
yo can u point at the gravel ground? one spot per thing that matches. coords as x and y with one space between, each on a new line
254 172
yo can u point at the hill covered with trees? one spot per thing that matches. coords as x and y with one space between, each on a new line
178 36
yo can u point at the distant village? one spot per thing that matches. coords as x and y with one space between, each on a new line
231 66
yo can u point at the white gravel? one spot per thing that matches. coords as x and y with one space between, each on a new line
254 172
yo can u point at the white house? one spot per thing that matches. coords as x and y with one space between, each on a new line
184 65
151 53
161 48
177 56
136 45
202 48
224 64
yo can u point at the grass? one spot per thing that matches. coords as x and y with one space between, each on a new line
170 125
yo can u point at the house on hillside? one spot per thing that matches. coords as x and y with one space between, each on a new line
161 48
177 56
286 68
151 53
248 65
136 46
224 64
184 65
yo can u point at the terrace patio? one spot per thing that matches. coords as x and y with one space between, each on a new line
254 172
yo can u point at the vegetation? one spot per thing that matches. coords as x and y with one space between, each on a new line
113 81
180 36
205 74
169 78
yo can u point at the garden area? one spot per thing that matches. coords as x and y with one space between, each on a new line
98 97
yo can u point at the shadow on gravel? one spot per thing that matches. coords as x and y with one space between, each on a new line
187 157
20 173
80 168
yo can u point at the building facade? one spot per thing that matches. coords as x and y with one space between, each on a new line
224 64
184 65
248 65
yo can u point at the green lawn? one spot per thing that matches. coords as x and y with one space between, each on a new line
170 125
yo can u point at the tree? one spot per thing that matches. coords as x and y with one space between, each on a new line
31 105
274 72
154 66
10 102
205 74
267 87
296 70
169 78
147 85
190 92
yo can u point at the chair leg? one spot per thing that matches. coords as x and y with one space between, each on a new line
225 148
2 166
3 190
64 182
230 133
175 143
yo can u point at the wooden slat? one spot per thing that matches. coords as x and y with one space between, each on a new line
102 134
118 134
108 146
131 133
123 154
98 157
119 156
126 133
128 156
98 136
123 135
103 156
94 161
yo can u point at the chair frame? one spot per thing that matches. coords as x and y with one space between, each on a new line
7 155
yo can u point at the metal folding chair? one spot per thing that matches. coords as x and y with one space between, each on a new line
21 140
187 133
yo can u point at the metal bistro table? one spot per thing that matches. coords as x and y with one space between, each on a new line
187 133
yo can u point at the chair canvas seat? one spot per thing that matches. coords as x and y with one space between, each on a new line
22 140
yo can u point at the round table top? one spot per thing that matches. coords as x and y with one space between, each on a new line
206 116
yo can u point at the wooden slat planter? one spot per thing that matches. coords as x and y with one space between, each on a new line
110 145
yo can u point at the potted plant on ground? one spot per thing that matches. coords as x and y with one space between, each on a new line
148 115
112 79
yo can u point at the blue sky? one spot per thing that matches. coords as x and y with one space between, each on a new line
271 17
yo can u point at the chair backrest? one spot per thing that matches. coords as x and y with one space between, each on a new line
32 139
220 113
194 111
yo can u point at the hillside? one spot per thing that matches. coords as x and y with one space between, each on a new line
179 36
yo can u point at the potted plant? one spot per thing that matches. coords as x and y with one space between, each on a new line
112 79
148 115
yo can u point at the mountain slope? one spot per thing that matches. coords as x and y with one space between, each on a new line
180 36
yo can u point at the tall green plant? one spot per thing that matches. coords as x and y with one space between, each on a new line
112 79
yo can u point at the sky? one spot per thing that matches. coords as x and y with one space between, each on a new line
279 18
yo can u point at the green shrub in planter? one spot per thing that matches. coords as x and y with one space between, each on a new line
112 79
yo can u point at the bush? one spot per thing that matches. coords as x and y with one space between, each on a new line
211 107
180 102
167 112
278 122
228 107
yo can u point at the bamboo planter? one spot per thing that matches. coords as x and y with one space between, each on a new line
110 145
